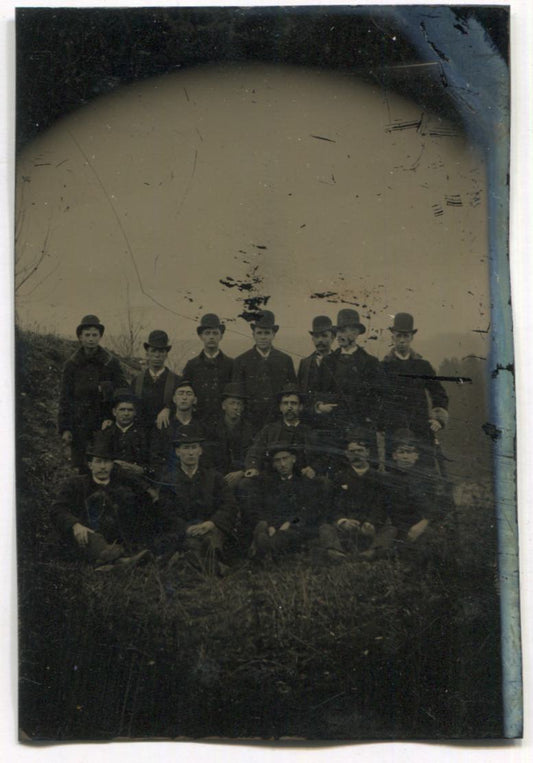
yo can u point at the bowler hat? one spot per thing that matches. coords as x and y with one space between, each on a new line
101 447
234 389
210 321
404 437
322 323
124 395
348 318
90 321
158 340
359 435
279 447
403 322
265 320
186 434
291 389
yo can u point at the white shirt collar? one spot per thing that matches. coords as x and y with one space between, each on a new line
124 429
191 475
211 357
350 350
101 482
402 357
263 354
156 374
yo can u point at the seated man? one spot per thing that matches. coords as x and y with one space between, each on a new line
231 436
411 500
126 439
285 514
357 500
161 440
104 514
196 508
154 387
288 429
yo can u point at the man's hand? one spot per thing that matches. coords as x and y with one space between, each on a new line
309 472
232 478
67 437
325 407
435 425
416 530
153 492
200 529
106 424
271 531
285 526
251 473
81 534
129 467
368 529
349 524
163 418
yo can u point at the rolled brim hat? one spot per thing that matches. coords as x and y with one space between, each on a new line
265 320
124 395
88 322
158 340
359 435
291 389
101 447
405 437
188 434
234 389
210 321
348 318
281 447
403 323
322 323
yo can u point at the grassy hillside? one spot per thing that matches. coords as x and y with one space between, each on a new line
392 649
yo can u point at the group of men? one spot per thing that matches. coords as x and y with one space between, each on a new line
338 456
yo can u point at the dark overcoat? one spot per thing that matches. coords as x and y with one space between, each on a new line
208 377
226 448
262 380
153 395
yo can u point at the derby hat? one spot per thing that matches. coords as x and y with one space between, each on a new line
281 447
322 323
404 437
348 318
101 447
291 389
188 434
403 323
90 321
124 395
234 389
360 435
158 340
265 320
210 321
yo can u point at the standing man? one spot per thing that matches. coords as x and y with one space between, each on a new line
414 399
350 384
90 377
155 387
209 371
323 336
263 371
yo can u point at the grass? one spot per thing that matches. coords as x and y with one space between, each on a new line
392 649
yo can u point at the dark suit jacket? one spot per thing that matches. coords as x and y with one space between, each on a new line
302 437
208 378
262 380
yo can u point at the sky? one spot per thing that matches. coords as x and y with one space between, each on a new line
188 193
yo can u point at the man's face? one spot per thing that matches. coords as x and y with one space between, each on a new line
90 338
402 341
290 407
357 453
124 413
405 456
101 468
184 398
189 453
233 407
323 341
347 336
283 462
211 339
264 338
156 357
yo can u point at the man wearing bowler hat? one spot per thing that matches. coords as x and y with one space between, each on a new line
89 379
196 508
323 335
350 379
414 399
231 436
263 370
155 386
104 514
209 371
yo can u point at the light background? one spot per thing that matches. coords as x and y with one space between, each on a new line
522 279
